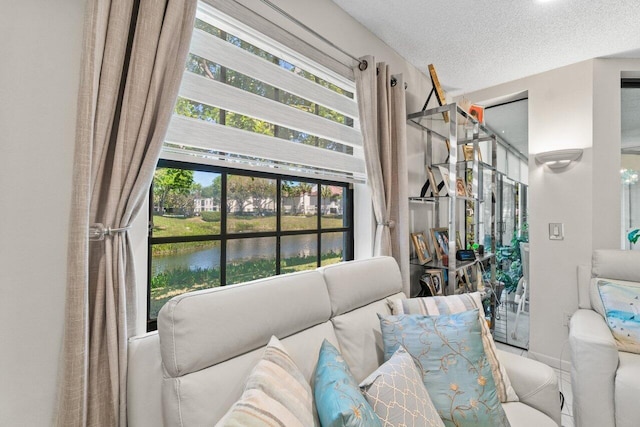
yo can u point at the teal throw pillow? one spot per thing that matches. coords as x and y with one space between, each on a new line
338 398
621 303
448 351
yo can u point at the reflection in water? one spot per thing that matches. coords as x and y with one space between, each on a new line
292 246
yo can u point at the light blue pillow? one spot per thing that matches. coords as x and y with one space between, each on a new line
338 398
448 351
621 303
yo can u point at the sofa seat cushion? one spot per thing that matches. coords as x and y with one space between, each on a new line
521 415
448 350
451 304
627 390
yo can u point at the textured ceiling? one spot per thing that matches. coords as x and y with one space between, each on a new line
476 44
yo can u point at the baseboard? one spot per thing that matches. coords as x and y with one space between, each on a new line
554 362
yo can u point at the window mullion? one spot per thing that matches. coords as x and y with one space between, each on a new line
223 229
278 224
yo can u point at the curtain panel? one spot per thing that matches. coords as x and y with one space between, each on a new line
132 64
382 108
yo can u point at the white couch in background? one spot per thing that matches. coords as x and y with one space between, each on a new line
194 368
605 382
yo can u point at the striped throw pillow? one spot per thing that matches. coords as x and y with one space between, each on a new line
276 394
452 304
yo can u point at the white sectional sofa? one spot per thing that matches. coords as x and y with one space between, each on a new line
194 368
605 381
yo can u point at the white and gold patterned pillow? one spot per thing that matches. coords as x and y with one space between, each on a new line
452 304
398 395
276 394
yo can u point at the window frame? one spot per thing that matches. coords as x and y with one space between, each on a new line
278 233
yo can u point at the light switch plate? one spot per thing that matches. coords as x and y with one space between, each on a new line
556 231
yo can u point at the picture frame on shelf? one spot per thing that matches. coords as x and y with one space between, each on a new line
461 190
467 152
435 185
444 173
426 286
477 112
440 237
458 241
431 184
437 281
421 246
437 88
468 274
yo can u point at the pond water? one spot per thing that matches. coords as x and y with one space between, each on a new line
245 249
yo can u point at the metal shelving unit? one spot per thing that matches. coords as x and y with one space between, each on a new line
460 130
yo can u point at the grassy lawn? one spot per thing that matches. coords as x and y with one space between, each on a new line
168 227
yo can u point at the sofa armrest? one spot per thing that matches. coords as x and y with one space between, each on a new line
144 381
594 361
535 383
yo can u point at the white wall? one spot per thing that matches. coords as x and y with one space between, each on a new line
577 106
40 55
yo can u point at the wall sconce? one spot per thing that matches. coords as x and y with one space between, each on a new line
559 159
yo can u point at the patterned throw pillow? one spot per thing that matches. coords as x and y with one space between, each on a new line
448 350
451 304
398 395
621 303
337 396
276 394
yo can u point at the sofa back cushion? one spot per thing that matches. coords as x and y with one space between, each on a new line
616 264
202 398
357 291
210 340
357 283
201 329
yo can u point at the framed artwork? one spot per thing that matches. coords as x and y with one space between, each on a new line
421 246
431 184
467 150
461 188
437 281
468 274
458 241
477 112
440 96
444 172
440 238
426 286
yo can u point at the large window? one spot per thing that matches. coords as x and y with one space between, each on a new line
215 226
257 166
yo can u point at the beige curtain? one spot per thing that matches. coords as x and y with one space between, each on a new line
383 121
133 59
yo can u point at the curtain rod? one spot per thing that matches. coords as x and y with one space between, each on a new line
362 64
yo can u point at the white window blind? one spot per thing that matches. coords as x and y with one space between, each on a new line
249 102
